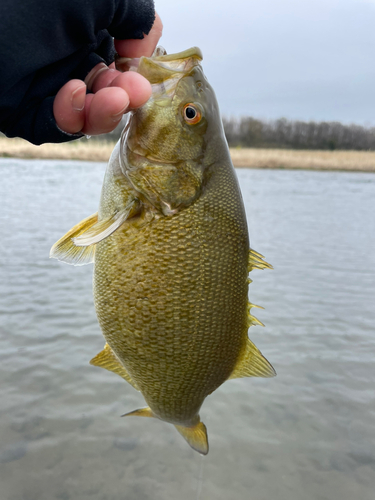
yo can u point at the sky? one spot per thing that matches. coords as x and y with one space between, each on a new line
298 59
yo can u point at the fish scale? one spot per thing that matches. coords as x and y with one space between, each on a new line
171 251
187 241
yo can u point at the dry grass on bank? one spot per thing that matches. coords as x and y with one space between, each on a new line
82 149
91 150
307 160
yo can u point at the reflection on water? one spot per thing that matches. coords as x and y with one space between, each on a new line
309 433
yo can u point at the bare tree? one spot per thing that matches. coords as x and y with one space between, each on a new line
283 133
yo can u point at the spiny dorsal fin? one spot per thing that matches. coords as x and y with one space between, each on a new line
66 251
106 227
107 359
256 261
141 412
195 436
252 320
252 364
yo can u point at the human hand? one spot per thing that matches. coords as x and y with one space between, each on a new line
112 93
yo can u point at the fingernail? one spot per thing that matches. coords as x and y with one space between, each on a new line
78 98
94 73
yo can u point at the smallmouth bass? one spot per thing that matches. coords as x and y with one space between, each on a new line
171 251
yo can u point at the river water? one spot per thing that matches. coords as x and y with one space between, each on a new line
307 434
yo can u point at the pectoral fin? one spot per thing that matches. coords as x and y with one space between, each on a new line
66 251
106 227
108 360
195 436
253 364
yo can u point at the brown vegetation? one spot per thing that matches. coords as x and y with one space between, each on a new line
301 159
82 149
93 150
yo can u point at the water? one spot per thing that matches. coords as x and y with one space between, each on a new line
309 433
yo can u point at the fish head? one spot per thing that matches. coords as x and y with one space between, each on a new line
170 142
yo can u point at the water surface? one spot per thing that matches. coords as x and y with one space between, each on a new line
309 433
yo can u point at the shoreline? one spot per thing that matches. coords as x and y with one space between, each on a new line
100 151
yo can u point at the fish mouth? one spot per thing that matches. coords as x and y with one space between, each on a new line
163 70
180 62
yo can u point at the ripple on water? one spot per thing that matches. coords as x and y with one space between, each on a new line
308 433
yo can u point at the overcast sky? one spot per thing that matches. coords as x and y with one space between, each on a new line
301 59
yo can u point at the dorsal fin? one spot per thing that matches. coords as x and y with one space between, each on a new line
108 360
66 251
252 320
252 364
256 261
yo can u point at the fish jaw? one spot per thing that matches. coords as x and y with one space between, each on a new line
161 66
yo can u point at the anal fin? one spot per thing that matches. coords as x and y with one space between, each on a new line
253 364
66 251
107 359
141 412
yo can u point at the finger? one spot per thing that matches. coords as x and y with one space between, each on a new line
144 47
68 106
103 79
104 110
94 74
136 86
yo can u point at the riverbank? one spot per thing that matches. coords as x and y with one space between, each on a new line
92 150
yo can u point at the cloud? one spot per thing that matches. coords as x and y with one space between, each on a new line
299 56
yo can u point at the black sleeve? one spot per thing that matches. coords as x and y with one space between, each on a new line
46 43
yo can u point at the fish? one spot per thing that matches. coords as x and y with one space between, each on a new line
171 252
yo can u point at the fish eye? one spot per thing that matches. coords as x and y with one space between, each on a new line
192 114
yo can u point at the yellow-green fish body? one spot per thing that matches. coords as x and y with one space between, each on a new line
172 252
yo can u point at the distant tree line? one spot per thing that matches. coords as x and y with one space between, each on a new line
294 134
287 134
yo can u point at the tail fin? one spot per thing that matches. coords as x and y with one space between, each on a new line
195 436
